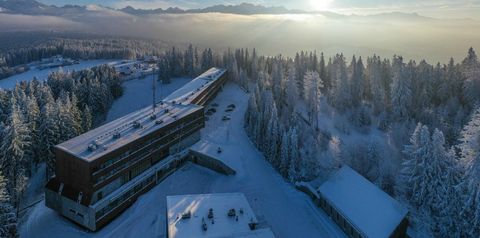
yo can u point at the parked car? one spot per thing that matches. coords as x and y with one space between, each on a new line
226 118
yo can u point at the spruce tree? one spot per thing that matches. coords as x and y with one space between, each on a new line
8 218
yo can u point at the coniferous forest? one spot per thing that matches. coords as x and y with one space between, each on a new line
412 128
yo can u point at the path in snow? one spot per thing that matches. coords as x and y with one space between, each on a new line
276 203
10 82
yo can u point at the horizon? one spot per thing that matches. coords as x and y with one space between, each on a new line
106 112
429 8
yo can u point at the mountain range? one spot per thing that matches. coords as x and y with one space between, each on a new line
33 7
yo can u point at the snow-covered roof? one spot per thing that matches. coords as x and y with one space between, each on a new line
187 93
223 226
367 207
122 131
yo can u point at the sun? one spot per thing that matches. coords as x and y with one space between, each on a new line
321 5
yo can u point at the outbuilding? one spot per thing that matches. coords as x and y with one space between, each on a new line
360 208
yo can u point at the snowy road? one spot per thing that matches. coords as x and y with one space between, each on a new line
276 203
288 212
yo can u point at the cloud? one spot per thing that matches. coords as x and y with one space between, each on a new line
11 22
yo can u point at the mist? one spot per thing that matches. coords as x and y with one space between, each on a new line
411 36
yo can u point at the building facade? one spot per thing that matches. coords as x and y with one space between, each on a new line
102 172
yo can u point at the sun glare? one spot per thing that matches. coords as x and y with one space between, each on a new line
321 5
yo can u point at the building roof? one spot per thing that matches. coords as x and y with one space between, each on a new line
189 91
178 104
367 207
224 226
103 139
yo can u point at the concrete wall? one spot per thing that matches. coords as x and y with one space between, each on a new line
80 214
210 163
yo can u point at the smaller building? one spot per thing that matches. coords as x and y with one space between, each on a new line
212 215
360 208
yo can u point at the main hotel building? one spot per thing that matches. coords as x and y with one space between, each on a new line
102 172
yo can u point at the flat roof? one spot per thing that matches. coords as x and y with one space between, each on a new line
189 91
103 136
223 226
178 104
371 210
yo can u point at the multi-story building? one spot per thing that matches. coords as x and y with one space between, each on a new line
102 172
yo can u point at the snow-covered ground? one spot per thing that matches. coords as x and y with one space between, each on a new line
276 203
10 82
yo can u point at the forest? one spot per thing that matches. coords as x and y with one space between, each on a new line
36 116
15 54
427 117
412 128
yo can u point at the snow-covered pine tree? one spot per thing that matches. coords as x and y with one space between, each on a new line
273 137
32 119
357 81
401 90
312 93
292 92
443 176
14 151
67 125
341 87
470 160
471 69
412 185
428 177
50 135
86 119
377 91
8 218
189 61
76 114
4 104
252 117
294 155
285 153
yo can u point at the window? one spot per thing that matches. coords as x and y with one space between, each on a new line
137 188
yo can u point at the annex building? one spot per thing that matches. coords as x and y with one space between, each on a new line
360 208
213 216
102 172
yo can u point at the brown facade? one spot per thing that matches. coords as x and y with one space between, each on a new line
89 176
204 97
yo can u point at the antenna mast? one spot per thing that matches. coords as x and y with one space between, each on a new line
154 89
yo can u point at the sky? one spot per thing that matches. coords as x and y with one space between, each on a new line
433 8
